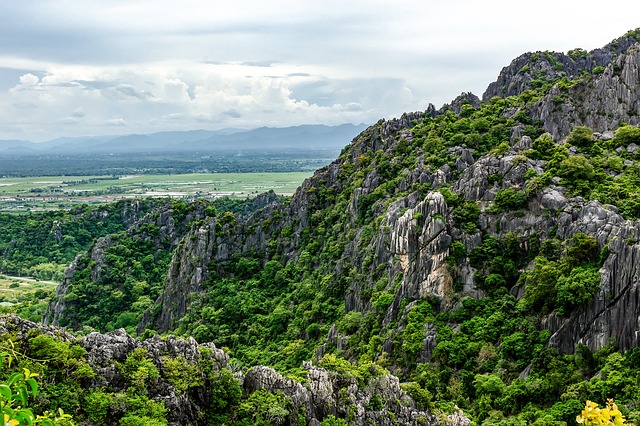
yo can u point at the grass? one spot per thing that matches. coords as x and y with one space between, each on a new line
54 192
14 290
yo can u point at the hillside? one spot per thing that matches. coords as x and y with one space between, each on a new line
484 255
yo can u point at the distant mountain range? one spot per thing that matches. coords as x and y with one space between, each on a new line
305 137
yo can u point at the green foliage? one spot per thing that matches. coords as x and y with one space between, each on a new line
264 408
626 135
501 149
576 168
332 420
140 370
580 286
182 374
563 283
43 243
466 215
511 199
362 373
581 137
226 394
96 405
17 393
544 147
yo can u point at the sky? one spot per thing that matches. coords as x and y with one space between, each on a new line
102 67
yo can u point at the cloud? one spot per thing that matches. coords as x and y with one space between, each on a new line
116 122
255 63
69 120
78 113
29 80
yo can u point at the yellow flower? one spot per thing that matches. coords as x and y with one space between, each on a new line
10 422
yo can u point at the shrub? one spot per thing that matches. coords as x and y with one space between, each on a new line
581 137
579 287
510 199
626 135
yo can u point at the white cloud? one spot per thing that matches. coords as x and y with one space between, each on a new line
158 65
29 80
116 122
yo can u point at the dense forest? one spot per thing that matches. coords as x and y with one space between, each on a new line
475 264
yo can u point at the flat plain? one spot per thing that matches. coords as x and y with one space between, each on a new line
55 192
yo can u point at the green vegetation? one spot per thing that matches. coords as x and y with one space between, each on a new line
323 272
42 378
23 194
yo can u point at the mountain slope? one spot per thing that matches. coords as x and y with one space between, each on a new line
471 250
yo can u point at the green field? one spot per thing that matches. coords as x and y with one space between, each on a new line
54 192
15 290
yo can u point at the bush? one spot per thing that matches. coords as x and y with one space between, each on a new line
579 287
581 137
510 199
576 167
543 146
626 135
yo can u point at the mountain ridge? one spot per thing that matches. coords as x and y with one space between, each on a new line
263 138
486 252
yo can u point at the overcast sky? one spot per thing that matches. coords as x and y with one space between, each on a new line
92 67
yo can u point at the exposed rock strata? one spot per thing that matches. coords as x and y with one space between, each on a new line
600 103
323 393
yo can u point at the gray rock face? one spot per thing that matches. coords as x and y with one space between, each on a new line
419 239
330 393
521 73
600 104
456 105
323 393
552 199
188 268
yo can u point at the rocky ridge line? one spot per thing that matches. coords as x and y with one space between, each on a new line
323 393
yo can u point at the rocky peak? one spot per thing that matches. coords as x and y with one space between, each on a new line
530 70
600 103
465 98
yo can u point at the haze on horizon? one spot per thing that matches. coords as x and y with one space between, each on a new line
89 67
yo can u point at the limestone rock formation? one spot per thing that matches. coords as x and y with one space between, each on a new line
330 393
323 393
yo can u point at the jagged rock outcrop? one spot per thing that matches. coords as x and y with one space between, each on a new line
215 240
465 98
420 241
323 392
167 236
600 103
528 70
332 393
105 352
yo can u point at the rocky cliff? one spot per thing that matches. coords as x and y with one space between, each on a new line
386 255
533 69
323 393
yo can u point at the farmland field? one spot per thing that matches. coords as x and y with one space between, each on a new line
55 192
